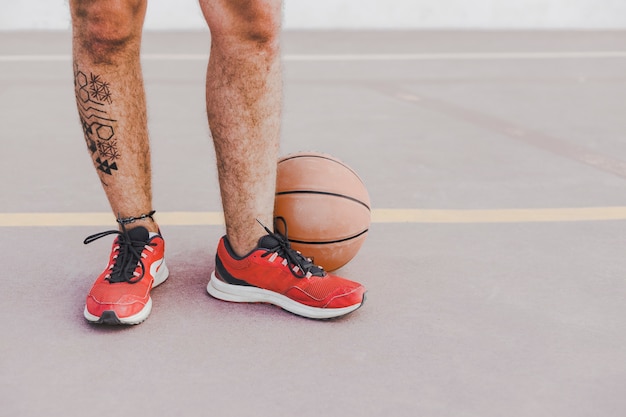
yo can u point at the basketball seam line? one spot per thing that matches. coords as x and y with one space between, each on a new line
321 157
324 193
327 242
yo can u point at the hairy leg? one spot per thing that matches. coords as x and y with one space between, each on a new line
111 100
244 103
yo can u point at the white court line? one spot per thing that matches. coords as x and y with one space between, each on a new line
358 57
457 56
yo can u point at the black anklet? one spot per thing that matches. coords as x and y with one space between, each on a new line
129 220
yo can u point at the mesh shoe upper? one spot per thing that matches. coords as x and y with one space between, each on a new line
124 286
275 266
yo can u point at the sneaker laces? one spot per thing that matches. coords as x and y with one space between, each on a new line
129 249
277 244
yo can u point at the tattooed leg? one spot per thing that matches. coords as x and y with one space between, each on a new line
111 100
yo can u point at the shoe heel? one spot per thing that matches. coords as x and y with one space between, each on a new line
161 275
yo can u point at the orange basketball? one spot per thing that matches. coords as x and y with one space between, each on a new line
325 205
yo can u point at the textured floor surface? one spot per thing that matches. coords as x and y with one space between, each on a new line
475 307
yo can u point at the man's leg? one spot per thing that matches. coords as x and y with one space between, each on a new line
244 100
112 110
111 100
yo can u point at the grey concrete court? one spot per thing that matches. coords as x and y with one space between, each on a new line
502 315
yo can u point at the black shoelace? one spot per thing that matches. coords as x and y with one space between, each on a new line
127 257
299 265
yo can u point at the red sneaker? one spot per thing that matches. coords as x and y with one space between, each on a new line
121 294
275 273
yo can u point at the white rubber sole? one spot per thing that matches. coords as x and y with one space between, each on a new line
244 294
109 317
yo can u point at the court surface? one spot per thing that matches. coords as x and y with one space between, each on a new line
496 165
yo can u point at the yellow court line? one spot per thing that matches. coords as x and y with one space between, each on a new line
499 215
182 218
105 219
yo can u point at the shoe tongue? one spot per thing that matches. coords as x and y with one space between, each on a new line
139 234
268 242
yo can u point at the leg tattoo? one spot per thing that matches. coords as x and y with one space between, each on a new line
92 96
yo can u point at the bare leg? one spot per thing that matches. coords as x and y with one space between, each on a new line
244 102
111 100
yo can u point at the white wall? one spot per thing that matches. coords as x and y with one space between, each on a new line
354 14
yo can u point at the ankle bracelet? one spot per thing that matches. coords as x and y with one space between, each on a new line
128 220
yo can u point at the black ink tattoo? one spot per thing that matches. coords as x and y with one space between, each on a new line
99 89
105 167
92 95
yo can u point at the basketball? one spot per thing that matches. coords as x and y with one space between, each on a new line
325 205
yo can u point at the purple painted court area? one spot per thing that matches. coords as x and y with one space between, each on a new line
511 318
